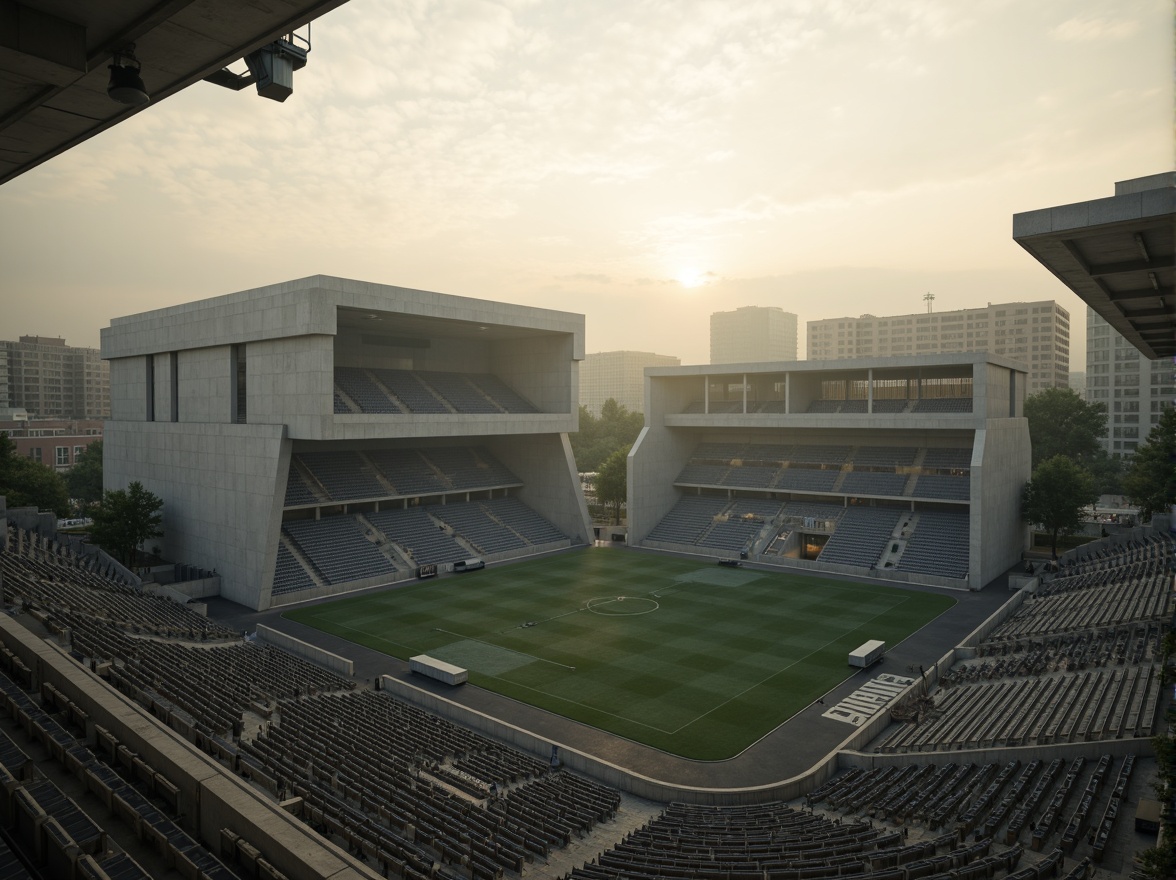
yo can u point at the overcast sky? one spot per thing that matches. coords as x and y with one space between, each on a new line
644 163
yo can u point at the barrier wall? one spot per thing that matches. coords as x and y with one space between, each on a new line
306 650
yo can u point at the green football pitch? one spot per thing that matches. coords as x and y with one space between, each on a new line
692 658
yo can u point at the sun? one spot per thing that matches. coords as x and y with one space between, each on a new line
691 277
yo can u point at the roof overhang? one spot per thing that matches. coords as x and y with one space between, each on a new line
54 57
1118 255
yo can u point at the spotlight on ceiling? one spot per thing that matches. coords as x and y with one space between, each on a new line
126 86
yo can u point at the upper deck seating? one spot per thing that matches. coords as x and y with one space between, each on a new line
501 393
467 467
944 405
886 456
345 475
462 395
814 454
945 487
871 483
359 386
410 391
799 479
947 457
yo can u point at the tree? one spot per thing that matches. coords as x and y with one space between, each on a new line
612 482
28 483
125 519
1055 496
84 479
1062 423
1151 479
598 438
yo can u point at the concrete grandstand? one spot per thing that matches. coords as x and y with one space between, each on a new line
325 435
908 468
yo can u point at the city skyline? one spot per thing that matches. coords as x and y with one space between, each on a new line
645 166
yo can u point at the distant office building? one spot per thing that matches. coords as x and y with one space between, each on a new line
619 375
1078 383
1035 333
1135 388
753 334
53 380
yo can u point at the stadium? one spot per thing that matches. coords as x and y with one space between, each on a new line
332 454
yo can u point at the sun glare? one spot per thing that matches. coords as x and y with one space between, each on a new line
691 277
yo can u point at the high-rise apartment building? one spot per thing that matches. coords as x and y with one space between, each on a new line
53 380
619 375
752 334
1135 389
1035 333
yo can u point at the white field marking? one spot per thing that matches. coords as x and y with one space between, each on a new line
501 648
786 668
544 620
376 637
593 604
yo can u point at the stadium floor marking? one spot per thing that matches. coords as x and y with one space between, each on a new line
785 668
868 700
501 648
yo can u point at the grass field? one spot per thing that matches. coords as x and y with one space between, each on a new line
688 657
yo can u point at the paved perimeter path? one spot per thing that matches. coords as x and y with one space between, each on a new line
788 751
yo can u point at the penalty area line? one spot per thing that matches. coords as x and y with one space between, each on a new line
501 648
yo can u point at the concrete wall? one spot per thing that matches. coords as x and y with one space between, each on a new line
222 487
551 485
206 385
543 369
307 651
659 454
1000 469
128 389
290 381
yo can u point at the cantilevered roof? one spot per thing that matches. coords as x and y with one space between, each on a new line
1116 254
54 56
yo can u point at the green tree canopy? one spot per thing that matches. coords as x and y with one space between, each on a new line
84 479
598 438
125 519
1062 423
28 483
612 483
1055 496
1151 478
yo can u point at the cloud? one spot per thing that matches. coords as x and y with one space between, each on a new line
586 276
1085 30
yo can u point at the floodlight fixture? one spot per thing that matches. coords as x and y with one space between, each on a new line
126 85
